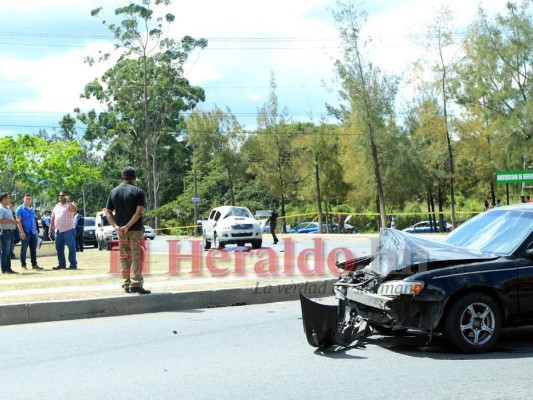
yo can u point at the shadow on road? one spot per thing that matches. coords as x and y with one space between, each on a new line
513 343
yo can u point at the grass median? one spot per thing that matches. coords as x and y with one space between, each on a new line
98 275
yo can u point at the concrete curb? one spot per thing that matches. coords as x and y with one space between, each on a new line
160 302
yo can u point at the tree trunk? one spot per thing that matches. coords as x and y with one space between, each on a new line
318 196
450 154
377 176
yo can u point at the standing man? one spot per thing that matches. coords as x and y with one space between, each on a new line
45 221
25 214
8 224
79 223
62 222
273 219
128 202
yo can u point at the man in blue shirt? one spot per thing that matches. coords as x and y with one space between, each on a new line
26 215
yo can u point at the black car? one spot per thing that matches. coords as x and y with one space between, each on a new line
89 232
468 287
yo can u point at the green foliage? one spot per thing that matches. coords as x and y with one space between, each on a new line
42 168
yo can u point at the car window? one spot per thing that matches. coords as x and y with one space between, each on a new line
496 231
217 216
89 222
238 212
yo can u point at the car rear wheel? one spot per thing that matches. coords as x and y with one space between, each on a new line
207 243
256 244
473 323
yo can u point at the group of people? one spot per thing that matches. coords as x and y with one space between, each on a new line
124 209
24 223
526 199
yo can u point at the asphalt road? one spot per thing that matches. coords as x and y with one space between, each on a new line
245 352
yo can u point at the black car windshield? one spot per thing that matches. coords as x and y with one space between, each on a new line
496 231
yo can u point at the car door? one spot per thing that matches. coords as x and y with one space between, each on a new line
208 225
525 281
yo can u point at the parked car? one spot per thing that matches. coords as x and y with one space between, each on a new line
149 232
467 287
312 227
106 236
231 225
425 227
347 228
305 227
89 232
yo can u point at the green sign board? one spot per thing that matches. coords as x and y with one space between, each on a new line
514 176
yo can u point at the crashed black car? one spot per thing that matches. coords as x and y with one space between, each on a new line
467 287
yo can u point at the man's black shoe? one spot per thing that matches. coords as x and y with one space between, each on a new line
23 266
9 272
36 267
139 290
59 267
72 267
127 290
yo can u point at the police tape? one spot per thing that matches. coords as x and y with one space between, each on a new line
425 214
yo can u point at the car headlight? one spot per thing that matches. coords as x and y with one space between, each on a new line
397 288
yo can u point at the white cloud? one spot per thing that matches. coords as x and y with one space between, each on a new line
234 71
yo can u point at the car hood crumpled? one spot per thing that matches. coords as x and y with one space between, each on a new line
397 250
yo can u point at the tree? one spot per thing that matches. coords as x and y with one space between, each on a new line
496 84
42 168
368 93
441 60
144 94
216 135
272 152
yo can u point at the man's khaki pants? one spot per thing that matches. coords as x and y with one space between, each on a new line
130 260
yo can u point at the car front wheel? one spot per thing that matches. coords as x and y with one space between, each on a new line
473 323
216 242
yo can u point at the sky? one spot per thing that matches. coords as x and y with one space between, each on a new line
43 45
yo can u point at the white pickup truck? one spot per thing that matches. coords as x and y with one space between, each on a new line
231 225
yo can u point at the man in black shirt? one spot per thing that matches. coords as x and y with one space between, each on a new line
127 201
273 219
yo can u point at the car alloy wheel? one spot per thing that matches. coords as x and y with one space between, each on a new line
473 323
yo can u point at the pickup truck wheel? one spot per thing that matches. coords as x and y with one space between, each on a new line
207 243
473 323
216 242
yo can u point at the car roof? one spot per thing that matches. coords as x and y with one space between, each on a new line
518 206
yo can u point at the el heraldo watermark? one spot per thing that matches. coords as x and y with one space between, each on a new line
312 257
